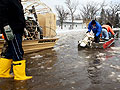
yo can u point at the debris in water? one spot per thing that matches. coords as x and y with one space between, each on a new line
103 59
50 61
76 66
42 67
98 67
39 64
115 67
37 56
91 68
112 74
101 54
42 62
118 79
88 57
73 88
119 76
73 82
49 68
56 48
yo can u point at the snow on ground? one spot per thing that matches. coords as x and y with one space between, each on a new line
58 31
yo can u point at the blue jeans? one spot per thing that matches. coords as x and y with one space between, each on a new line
105 34
14 50
109 33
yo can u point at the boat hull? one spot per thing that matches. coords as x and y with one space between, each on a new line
102 44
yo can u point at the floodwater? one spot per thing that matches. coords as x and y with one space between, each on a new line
65 67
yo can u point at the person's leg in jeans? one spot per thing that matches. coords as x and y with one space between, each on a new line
109 34
16 52
105 34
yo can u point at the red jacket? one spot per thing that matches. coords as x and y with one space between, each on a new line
3 36
109 29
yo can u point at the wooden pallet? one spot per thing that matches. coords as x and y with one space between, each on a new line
30 46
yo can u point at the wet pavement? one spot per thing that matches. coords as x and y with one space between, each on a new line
65 67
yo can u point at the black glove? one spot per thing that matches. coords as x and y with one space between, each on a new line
87 32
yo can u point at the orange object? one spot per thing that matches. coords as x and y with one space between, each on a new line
3 36
109 29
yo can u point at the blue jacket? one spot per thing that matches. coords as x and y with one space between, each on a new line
97 29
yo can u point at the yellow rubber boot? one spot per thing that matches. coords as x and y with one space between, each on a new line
5 67
19 70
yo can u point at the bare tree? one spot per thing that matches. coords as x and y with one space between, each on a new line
72 6
62 14
111 13
117 21
89 11
102 19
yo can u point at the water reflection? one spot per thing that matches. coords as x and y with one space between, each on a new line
43 60
6 84
94 64
10 84
20 85
68 68
41 68
93 72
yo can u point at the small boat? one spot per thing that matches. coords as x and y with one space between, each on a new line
87 42
103 44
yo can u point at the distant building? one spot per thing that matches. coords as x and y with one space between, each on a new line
67 24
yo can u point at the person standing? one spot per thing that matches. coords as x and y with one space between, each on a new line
96 28
12 24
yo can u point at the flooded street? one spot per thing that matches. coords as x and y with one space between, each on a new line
65 67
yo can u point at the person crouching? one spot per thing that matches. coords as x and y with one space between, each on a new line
96 28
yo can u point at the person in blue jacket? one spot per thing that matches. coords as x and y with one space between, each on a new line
96 28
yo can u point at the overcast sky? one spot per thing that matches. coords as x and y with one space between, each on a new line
52 3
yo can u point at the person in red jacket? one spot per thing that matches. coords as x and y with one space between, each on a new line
107 31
